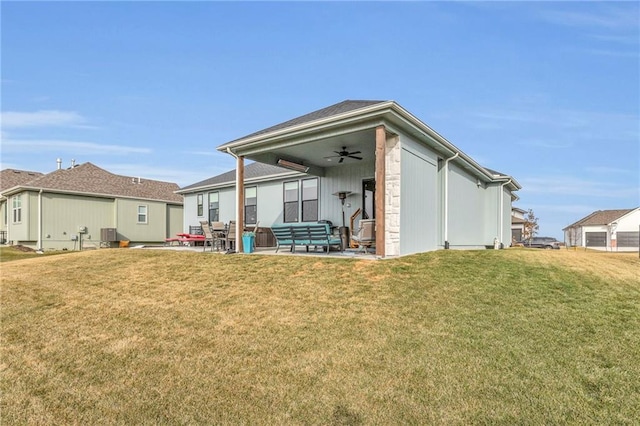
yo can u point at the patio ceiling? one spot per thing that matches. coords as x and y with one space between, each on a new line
312 151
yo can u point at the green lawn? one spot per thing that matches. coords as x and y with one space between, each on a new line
514 336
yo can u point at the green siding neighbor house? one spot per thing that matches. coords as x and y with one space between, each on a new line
86 206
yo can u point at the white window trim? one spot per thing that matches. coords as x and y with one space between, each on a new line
146 214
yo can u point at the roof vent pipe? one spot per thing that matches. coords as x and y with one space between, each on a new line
59 161
73 163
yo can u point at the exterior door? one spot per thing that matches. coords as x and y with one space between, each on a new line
369 199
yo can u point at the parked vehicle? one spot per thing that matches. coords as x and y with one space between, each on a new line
542 242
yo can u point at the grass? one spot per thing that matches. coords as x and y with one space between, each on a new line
10 253
150 336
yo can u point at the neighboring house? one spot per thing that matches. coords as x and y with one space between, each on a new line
517 224
616 230
369 159
85 205
8 179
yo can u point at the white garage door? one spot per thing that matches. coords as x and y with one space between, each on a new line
596 239
627 239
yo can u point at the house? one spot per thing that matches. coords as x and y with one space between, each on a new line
517 224
85 205
616 230
8 179
361 159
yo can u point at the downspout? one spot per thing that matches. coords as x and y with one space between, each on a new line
446 199
39 246
238 230
501 213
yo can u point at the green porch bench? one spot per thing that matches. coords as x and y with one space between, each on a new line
305 234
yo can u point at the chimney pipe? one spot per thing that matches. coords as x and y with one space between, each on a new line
73 163
59 161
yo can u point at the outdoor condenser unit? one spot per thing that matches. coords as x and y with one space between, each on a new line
108 235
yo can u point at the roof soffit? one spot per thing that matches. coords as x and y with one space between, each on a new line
391 114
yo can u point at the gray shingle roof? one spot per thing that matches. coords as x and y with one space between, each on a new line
12 177
336 109
253 170
601 217
90 179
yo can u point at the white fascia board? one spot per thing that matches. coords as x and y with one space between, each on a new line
316 125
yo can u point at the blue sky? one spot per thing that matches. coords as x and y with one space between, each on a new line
548 92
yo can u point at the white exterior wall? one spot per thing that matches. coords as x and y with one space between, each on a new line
629 222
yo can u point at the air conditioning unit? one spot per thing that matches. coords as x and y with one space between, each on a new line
108 235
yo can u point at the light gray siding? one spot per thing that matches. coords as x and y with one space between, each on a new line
419 199
467 220
345 177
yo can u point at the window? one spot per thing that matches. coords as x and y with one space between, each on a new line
200 205
142 214
17 208
291 201
310 200
305 190
214 207
251 205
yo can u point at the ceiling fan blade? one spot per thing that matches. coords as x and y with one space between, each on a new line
353 156
341 160
355 152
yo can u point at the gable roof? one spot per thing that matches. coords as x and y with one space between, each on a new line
600 217
350 112
12 177
336 109
90 179
251 171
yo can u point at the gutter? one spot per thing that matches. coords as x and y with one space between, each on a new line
39 245
446 199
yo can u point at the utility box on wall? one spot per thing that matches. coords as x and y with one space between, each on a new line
108 235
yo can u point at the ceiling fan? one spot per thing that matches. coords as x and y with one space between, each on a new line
344 154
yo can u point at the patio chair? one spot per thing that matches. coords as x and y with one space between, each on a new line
208 235
365 236
230 238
